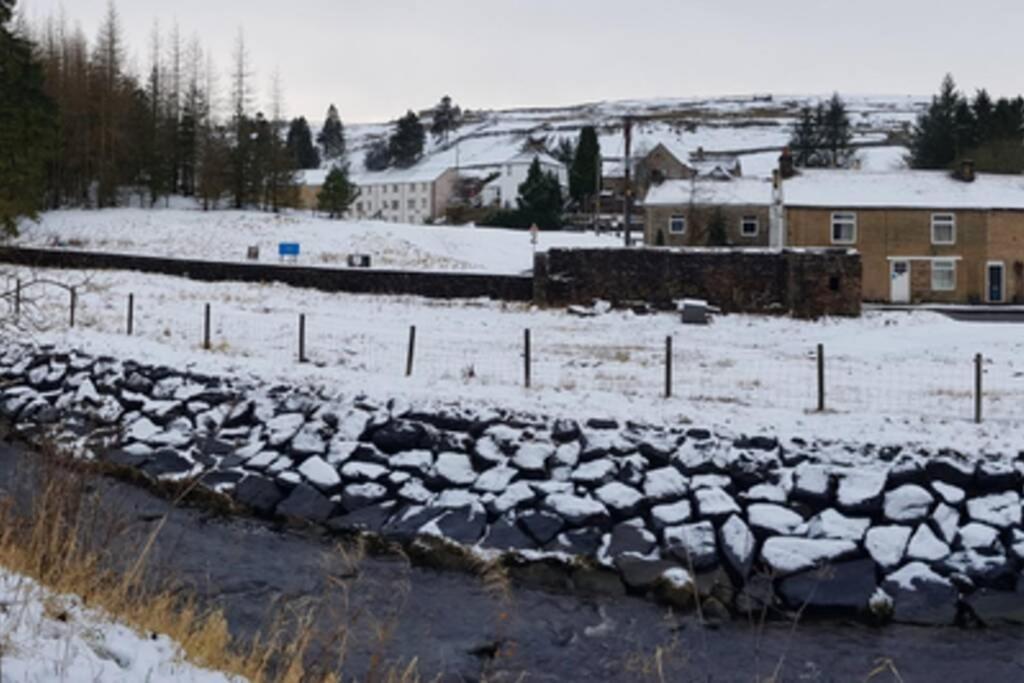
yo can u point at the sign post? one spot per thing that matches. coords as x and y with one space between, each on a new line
534 237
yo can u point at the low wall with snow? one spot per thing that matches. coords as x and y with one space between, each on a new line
432 284
674 513
803 283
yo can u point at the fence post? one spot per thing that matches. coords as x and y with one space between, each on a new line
979 370
821 378
412 351
302 337
206 327
74 302
668 367
17 298
131 314
527 369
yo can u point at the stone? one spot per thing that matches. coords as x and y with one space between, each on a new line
283 428
363 471
456 499
922 597
413 491
306 503
309 442
486 453
357 496
167 463
951 469
543 527
367 520
627 538
407 522
997 475
455 470
674 514
949 494
738 545
710 481
909 503
833 524
577 510
519 493
694 545
580 542
992 570
641 573
861 491
996 607
765 493
568 455
258 494
321 475
398 435
666 483
1001 510
502 535
465 526
771 519
658 451
946 521
594 473
907 469
790 555
621 500
419 462
887 545
839 586
979 537
496 479
565 430
926 546
812 483
714 503
532 458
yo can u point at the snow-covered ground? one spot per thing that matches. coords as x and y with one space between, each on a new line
46 637
226 235
892 377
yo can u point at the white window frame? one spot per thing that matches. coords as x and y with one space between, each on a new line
951 263
846 218
673 221
747 220
944 219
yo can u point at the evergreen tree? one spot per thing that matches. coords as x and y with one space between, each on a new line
407 140
805 142
564 151
835 133
28 126
983 109
586 164
214 167
540 199
300 145
446 118
378 157
337 193
933 142
332 138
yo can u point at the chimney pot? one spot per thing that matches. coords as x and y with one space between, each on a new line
787 168
968 173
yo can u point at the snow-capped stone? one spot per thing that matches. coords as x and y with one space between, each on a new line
619 498
418 462
283 428
1017 544
986 569
1001 510
532 458
952 469
773 519
413 491
488 453
789 555
920 596
576 510
456 499
951 495
926 546
339 452
737 543
908 503
833 524
87 393
947 521
514 496
594 473
715 503
979 537
812 482
142 429
542 526
765 493
694 544
998 475
710 481
262 460
319 473
363 471
861 490
887 545
359 496
308 441
455 469
568 454
674 514
496 479
353 425
666 483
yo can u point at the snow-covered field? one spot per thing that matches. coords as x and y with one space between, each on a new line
226 235
891 377
46 637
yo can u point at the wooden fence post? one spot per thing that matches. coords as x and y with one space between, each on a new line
821 378
131 314
206 327
668 367
979 370
74 302
527 369
302 337
412 351
17 298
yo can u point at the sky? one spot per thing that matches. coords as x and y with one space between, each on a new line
377 58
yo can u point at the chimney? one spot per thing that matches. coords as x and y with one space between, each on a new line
786 166
700 154
967 171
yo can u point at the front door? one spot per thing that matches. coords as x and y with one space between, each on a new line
900 282
996 283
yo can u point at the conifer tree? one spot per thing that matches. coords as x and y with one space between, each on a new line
300 145
332 137
337 193
933 141
446 118
805 142
407 140
835 133
540 199
378 156
583 175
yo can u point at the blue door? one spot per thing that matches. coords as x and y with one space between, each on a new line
996 282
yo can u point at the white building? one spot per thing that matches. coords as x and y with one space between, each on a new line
503 191
415 195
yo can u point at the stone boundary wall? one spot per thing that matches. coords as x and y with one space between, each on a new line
802 283
431 284
746 525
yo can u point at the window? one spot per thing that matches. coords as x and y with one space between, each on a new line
943 276
749 226
394 188
394 205
677 225
943 228
412 204
844 228
359 207
423 202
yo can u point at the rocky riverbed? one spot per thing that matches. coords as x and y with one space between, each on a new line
724 525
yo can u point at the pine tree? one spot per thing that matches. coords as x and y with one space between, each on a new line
805 142
564 150
300 145
835 133
378 156
983 115
407 140
583 175
337 193
933 141
332 138
28 126
446 118
540 199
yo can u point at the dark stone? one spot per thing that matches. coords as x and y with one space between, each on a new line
564 431
306 503
440 441
931 602
993 571
627 538
138 383
843 586
463 526
215 446
230 462
658 453
998 476
369 453
757 443
597 581
698 434
951 469
642 574
506 536
221 478
406 523
166 462
542 526
242 415
907 469
369 520
122 459
582 542
446 420
994 608
259 494
602 423
398 435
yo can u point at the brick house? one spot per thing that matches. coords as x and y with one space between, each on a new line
679 213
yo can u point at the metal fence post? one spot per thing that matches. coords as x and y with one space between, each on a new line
412 351
979 371
302 337
17 299
74 302
131 314
206 327
527 369
821 378
668 367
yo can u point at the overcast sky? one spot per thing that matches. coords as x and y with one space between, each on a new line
377 58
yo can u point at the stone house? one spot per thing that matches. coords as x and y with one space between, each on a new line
680 213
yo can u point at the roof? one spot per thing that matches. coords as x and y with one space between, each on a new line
735 192
527 158
421 173
902 190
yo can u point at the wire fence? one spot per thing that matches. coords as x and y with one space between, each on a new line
801 380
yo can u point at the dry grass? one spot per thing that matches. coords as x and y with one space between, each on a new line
59 539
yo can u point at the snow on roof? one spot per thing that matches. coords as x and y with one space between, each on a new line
904 189
735 192
421 173
527 157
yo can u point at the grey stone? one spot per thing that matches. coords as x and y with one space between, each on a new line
259 494
306 503
844 585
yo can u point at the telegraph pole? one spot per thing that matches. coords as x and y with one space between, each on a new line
627 130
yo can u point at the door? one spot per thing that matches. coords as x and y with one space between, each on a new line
996 283
900 277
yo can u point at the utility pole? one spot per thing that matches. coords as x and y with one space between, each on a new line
627 188
599 172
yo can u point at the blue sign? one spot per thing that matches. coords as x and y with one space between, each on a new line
288 249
